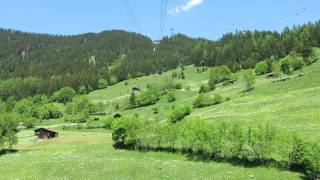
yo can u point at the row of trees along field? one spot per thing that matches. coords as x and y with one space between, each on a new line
219 141
42 64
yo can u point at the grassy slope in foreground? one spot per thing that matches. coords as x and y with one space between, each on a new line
89 155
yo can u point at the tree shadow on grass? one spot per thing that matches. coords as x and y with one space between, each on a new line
7 151
207 158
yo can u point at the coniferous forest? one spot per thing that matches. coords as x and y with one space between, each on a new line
34 64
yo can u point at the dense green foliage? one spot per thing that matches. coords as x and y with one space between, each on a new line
64 95
178 113
261 67
305 157
204 100
249 79
8 129
118 55
171 96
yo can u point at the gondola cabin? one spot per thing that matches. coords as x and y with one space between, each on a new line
43 133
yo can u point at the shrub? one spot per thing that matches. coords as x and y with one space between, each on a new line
94 124
147 97
29 122
102 83
312 161
64 95
217 99
49 111
107 122
77 118
178 86
297 62
211 85
113 80
219 74
178 113
124 132
203 89
8 129
83 90
286 66
171 96
249 79
305 157
204 100
297 155
261 67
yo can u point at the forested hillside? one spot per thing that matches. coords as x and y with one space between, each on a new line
42 64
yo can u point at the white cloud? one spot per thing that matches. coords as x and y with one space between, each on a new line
185 7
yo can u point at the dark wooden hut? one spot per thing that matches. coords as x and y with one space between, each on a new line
117 116
43 133
135 90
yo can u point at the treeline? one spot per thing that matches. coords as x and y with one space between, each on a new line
80 61
244 49
220 141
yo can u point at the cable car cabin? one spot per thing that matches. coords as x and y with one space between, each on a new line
43 133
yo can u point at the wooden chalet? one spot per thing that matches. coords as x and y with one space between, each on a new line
43 133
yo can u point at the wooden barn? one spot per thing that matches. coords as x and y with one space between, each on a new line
117 116
135 90
43 133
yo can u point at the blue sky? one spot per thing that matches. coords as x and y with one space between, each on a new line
195 18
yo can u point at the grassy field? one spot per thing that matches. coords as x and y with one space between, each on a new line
90 155
291 105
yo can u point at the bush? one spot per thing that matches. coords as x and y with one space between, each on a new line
204 100
312 161
203 89
297 155
29 122
64 95
8 129
148 97
286 66
219 74
49 111
124 132
83 90
178 86
178 113
211 85
171 96
77 118
102 83
107 122
94 124
249 79
306 158
207 140
261 67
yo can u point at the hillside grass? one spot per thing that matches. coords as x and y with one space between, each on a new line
90 155
291 103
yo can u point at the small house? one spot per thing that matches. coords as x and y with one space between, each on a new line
117 116
43 133
135 90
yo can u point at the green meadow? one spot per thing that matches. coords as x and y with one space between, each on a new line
291 104
90 155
